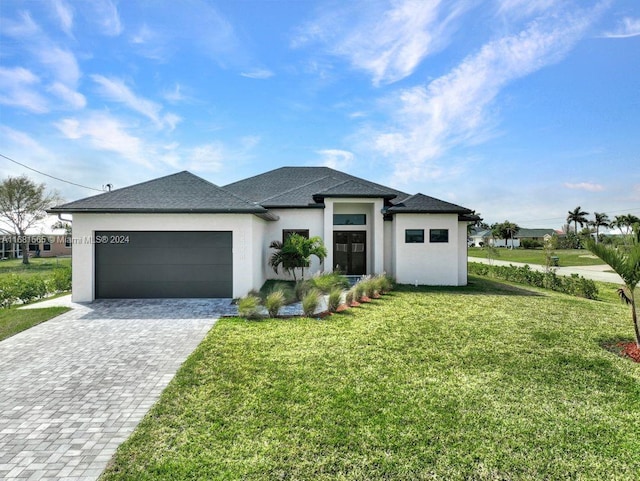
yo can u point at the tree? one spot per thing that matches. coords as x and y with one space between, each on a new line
295 253
577 216
23 204
625 222
600 220
505 230
626 263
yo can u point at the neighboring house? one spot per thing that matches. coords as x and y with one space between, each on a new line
55 244
480 237
182 236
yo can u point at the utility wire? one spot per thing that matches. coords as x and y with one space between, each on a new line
47 175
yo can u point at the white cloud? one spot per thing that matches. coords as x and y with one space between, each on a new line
25 142
62 63
18 88
23 28
627 27
105 132
175 95
524 8
259 73
588 186
64 13
388 42
336 158
116 90
456 109
72 98
107 17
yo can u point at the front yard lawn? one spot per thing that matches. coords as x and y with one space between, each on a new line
483 382
567 257
37 265
13 321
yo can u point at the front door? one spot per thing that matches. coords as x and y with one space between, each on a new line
350 252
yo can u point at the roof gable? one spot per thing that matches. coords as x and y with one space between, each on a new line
181 192
423 204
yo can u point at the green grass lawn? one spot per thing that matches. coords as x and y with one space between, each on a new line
567 257
488 381
37 265
13 321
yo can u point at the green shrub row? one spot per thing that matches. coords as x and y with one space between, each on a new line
574 285
15 288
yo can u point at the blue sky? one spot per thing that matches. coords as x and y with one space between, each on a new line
519 109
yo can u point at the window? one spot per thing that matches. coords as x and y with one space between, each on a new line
34 247
67 241
349 219
46 246
414 236
438 235
287 232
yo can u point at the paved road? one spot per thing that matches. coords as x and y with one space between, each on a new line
596 273
74 388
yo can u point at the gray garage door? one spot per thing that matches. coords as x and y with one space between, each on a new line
163 264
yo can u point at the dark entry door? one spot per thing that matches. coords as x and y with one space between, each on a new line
163 264
350 252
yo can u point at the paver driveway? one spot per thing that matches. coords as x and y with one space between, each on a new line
73 388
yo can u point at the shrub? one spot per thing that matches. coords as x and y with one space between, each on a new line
575 285
358 291
249 307
274 302
310 302
60 280
8 290
327 281
350 296
31 288
530 244
333 301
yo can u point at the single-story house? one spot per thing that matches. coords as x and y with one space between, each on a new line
182 236
480 237
54 244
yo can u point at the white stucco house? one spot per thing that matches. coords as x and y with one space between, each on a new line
182 236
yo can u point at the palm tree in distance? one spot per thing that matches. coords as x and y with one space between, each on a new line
577 216
601 220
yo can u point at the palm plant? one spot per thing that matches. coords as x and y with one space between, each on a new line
626 262
600 220
577 216
295 253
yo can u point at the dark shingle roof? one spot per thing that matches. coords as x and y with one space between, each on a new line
181 192
296 186
355 188
524 232
423 204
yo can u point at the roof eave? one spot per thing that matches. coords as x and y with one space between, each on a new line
87 210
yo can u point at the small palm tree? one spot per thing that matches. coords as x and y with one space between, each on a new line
577 216
627 264
295 253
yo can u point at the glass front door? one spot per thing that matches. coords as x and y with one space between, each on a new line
350 252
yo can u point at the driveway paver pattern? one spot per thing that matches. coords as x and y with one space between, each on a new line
75 387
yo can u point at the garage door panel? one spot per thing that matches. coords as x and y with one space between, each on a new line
164 264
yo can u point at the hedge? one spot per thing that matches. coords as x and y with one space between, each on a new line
14 288
574 285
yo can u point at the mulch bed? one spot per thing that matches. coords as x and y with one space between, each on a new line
627 349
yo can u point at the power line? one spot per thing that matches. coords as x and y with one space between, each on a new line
51 176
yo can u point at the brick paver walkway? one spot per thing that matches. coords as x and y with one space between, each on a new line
73 388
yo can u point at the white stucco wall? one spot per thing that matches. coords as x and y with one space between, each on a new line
429 263
247 233
462 253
